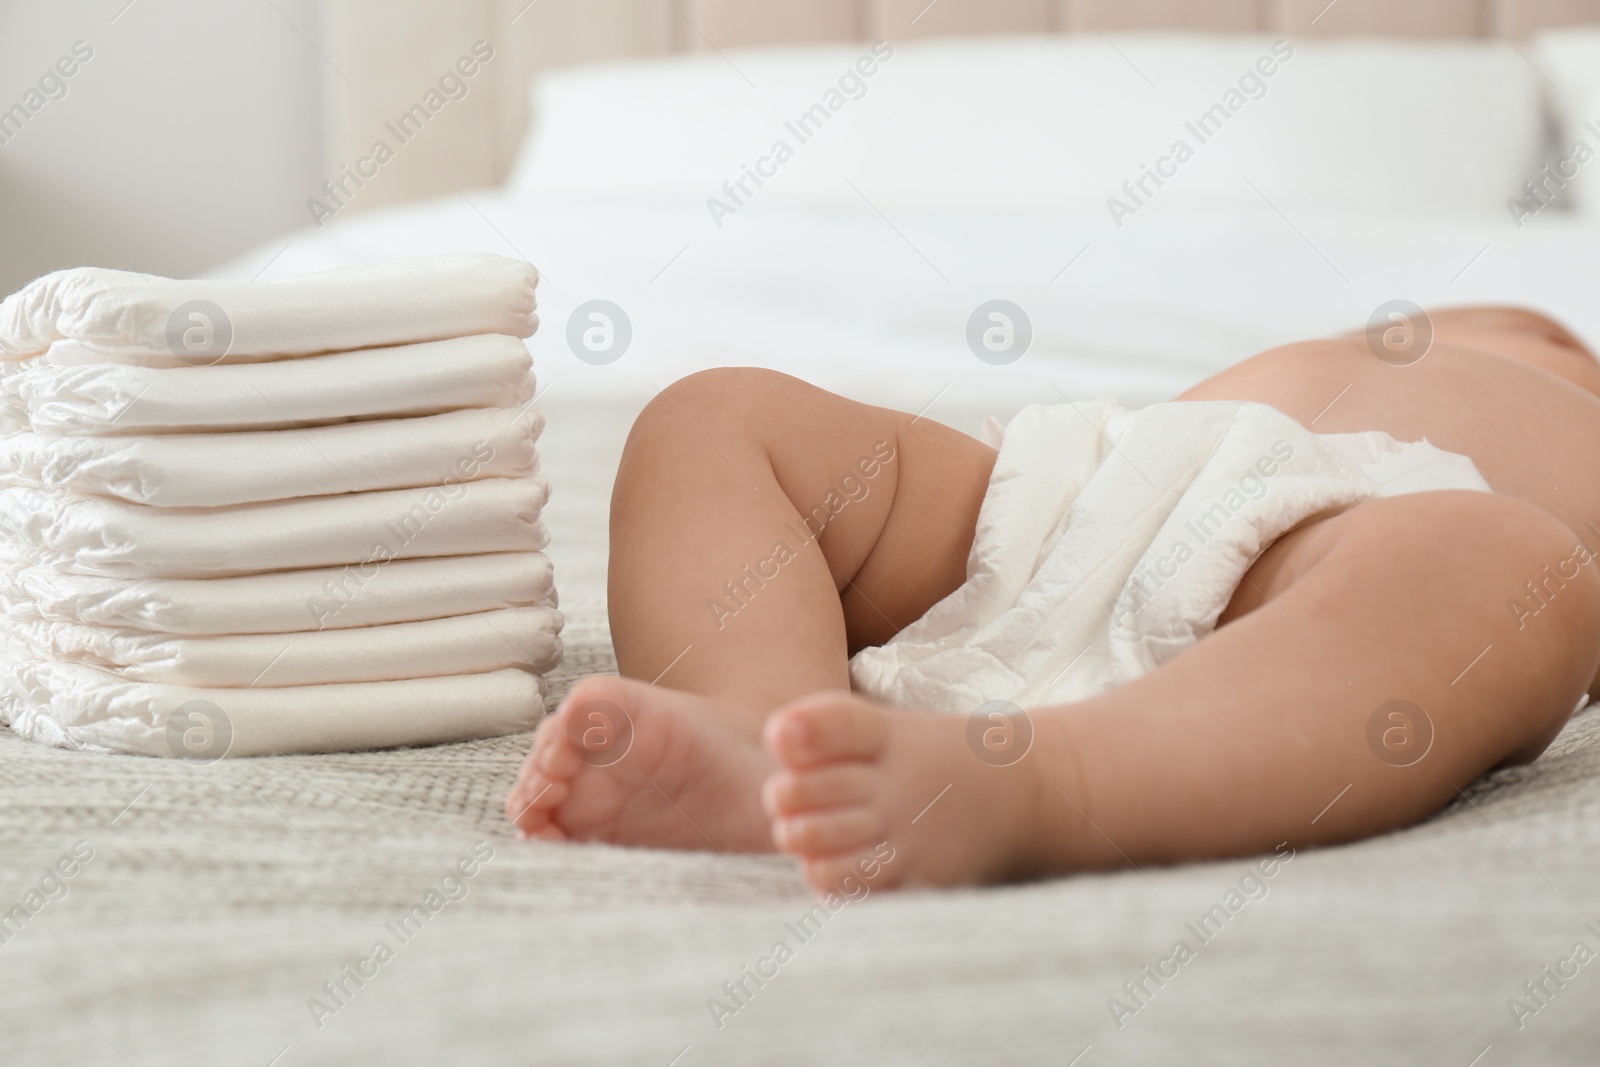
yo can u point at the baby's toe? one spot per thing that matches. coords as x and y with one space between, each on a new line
826 832
790 792
531 802
553 756
547 735
594 724
826 728
845 871
548 832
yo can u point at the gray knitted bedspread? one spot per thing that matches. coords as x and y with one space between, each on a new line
234 914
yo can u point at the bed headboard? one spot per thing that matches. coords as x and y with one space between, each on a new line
383 56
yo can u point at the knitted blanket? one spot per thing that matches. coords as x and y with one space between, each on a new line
374 908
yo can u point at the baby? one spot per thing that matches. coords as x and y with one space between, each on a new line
742 734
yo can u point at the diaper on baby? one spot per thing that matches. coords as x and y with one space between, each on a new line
1110 540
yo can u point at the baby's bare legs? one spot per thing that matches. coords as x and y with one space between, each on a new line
761 529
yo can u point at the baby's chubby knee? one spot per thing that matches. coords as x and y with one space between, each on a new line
716 402
725 420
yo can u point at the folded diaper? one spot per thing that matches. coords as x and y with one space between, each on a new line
525 638
309 509
371 593
124 315
80 707
88 535
1110 541
420 379
218 469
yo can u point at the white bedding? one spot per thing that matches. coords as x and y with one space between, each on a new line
1437 128
878 307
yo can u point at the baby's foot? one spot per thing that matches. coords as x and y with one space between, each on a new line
633 764
894 797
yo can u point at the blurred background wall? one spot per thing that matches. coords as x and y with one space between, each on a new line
201 128
194 131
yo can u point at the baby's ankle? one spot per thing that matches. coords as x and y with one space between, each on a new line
1055 833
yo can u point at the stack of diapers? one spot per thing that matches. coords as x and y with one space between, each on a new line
294 516
1110 541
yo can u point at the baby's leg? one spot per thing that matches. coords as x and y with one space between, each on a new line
1272 729
761 528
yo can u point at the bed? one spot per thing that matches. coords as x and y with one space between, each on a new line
233 913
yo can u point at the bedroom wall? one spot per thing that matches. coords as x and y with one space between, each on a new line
192 133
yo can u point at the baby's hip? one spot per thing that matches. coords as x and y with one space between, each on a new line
1531 434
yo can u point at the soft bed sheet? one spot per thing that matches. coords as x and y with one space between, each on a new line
878 305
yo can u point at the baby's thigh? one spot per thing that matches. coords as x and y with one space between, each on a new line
1403 592
891 499
918 554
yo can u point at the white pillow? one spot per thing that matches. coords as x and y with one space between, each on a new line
1571 59
1051 122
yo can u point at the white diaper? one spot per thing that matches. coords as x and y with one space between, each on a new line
420 379
1110 541
80 707
88 535
528 638
221 469
364 594
122 316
